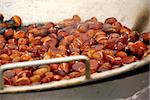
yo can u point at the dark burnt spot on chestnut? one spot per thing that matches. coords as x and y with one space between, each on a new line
2 30
10 23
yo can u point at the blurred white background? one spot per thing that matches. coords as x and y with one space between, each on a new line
31 11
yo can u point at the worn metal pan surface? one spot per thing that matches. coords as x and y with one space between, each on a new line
129 12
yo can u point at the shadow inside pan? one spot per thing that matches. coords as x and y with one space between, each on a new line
142 20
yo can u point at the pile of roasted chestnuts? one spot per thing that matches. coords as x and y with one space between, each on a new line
109 45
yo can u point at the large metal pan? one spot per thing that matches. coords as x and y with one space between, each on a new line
127 11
